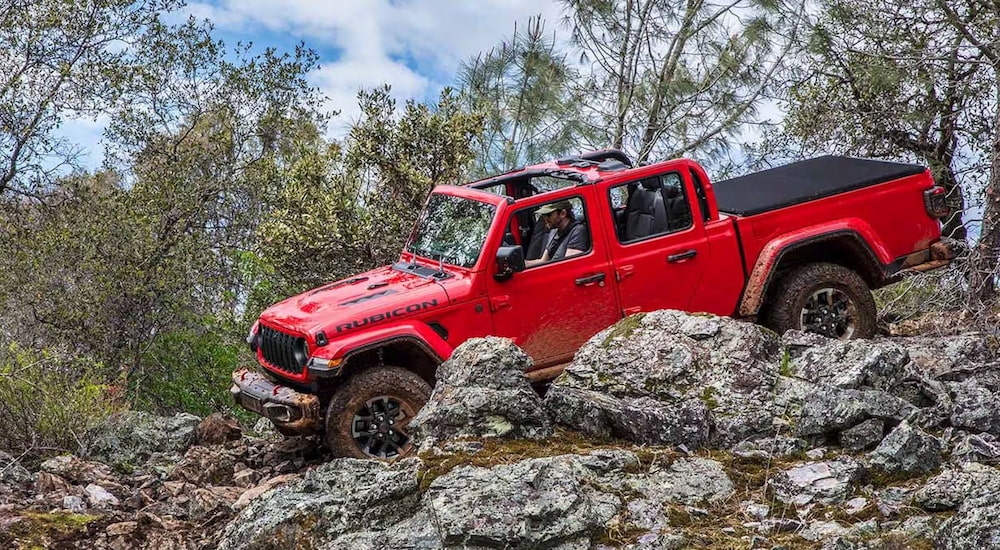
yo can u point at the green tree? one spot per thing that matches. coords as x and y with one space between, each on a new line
398 157
670 78
114 262
874 80
529 96
60 60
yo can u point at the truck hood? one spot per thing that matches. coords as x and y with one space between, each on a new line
376 296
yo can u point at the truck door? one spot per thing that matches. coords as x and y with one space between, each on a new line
658 247
551 309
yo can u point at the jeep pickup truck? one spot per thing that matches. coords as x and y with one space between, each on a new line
794 247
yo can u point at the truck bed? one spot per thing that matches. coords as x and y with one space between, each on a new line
804 181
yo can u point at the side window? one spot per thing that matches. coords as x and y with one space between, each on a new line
650 207
559 230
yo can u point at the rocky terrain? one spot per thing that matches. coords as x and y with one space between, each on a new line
667 431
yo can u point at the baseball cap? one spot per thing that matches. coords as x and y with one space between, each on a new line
554 207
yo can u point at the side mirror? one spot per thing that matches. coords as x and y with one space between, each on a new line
510 259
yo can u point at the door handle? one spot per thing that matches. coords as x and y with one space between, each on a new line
681 256
590 279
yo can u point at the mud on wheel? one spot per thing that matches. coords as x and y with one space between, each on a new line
827 299
368 415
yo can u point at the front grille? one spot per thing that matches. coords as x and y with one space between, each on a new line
283 351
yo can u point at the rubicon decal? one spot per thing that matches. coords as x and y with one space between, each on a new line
398 312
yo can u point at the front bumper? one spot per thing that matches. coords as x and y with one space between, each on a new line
290 410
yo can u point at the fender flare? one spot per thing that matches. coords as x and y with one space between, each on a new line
418 333
770 256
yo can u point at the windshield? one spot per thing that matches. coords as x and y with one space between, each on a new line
452 229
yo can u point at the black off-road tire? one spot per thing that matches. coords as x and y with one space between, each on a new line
806 297
368 415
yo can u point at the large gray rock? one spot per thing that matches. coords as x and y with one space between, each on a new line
966 447
855 364
340 497
12 472
536 503
907 450
642 420
975 526
128 440
938 356
482 392
825 482
690 481
974 407
662 364
947 490
828 410
866 434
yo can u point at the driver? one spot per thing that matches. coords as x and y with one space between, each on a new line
569 237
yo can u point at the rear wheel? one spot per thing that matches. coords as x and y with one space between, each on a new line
824 298
368 416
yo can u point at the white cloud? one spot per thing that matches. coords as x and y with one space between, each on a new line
415 46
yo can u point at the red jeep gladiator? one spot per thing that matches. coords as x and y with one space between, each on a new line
551 254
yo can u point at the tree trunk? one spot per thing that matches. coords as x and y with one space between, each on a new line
982 284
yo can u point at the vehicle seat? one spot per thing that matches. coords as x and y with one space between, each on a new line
678 212
646 213
535 246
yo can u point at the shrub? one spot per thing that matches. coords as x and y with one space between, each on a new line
187 370
49 400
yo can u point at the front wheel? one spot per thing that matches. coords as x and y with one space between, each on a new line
828 299
368 416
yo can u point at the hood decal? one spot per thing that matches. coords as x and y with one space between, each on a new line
389 314
368 297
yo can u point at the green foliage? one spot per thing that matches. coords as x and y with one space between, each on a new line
49 400
672 78
526 90
187 370
42 530
61 60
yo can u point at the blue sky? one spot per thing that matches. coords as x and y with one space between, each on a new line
416 46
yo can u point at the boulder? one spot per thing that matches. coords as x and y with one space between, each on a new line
855 364
690 481
829 410
939 356
974 407
863 436
127 440
947 490
966 447
12 472
827 482
217 429
205 466
535 503
907 450
77 470
975 526
668 377
481 392
336 498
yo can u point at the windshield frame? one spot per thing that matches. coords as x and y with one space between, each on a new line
467 193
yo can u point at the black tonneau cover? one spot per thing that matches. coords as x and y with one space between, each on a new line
804 181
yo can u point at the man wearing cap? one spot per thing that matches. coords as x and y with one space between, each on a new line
570 236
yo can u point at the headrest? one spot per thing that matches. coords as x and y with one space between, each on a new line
650 183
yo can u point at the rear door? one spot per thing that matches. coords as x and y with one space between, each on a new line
550 310
657 263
